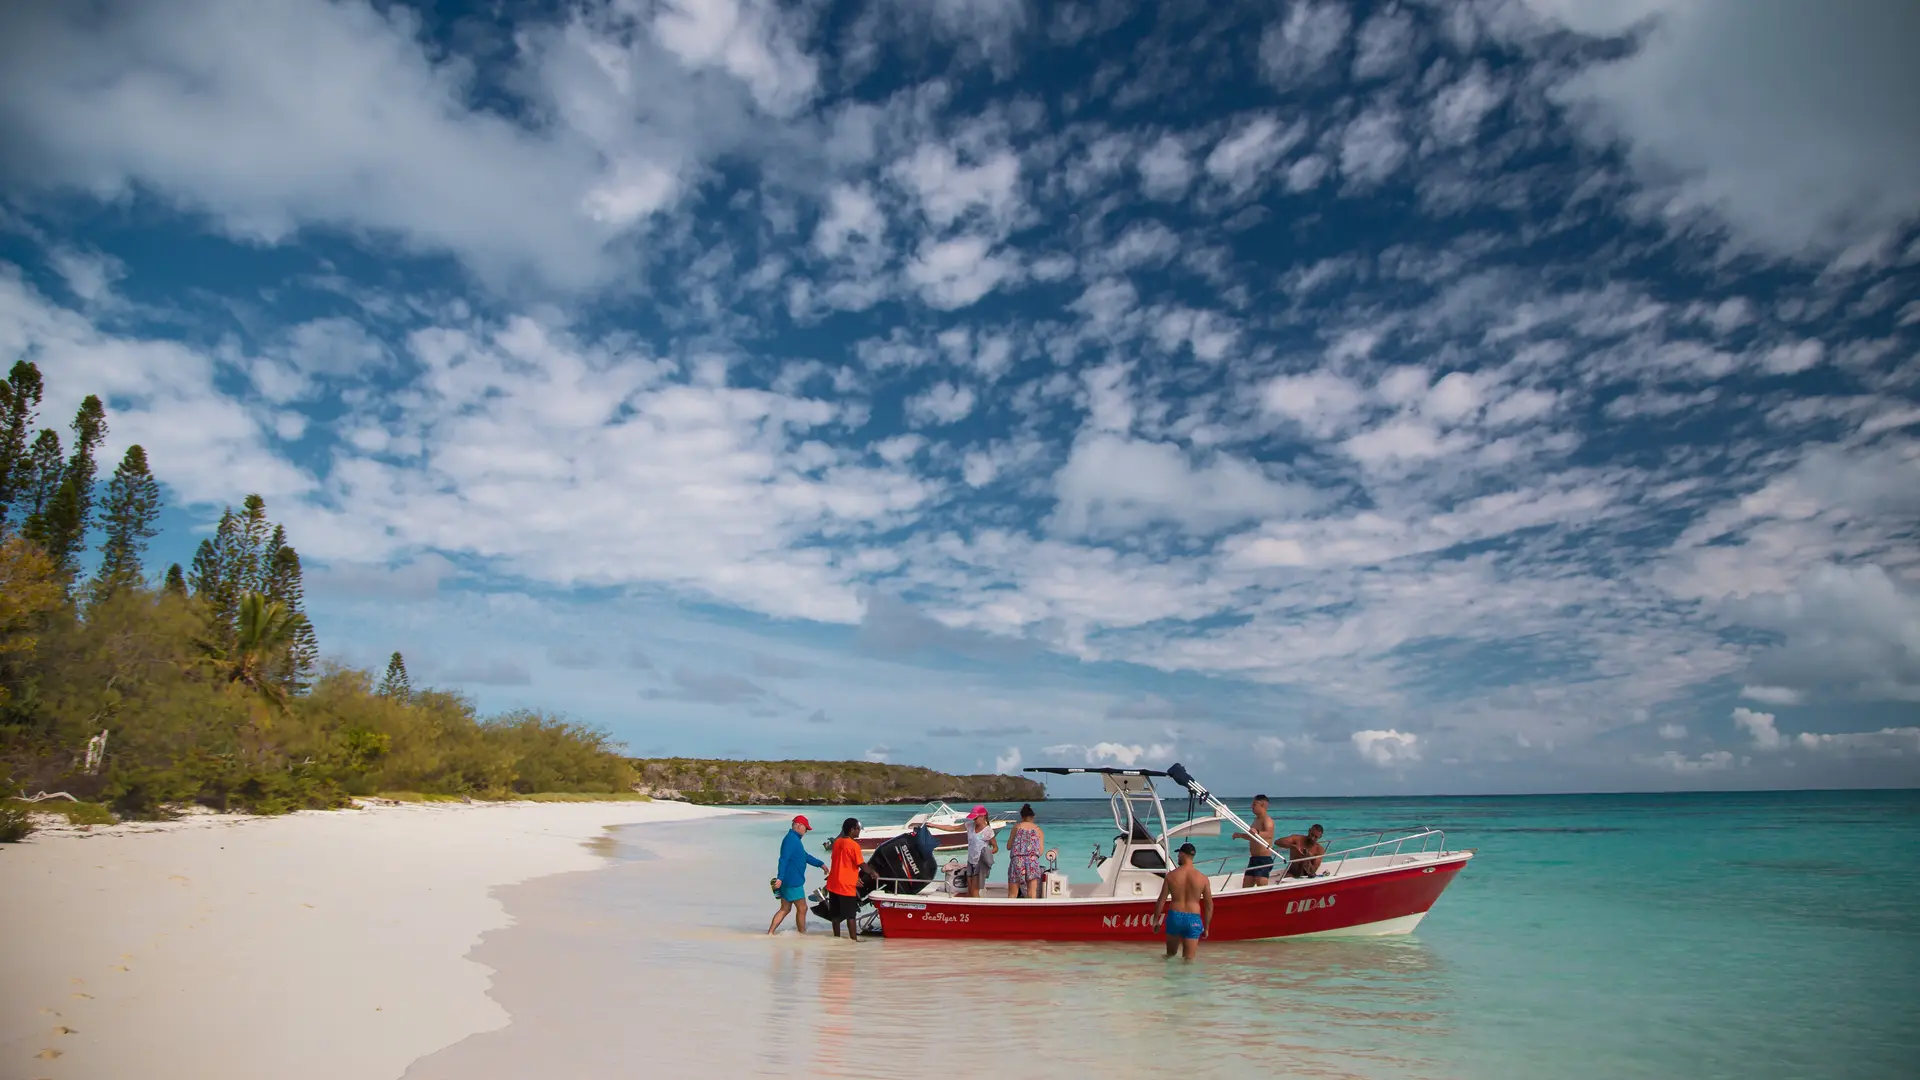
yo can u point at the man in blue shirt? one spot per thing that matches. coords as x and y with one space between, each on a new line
790 879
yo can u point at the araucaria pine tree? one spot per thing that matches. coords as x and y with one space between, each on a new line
19 402
65 518
127 517
39 480
395 684
283 585
176 580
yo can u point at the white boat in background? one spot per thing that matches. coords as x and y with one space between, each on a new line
949 828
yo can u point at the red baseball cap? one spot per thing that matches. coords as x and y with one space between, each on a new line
801 820
978 811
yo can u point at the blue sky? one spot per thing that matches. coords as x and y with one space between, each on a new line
1501 395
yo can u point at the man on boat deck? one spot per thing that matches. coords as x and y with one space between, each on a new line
1303 852
790 877
981 847
1192 896
1259 846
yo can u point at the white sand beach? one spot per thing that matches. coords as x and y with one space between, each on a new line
322 944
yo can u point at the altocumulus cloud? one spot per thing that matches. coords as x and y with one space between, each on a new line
1515 385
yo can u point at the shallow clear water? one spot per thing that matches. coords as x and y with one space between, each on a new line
1751 936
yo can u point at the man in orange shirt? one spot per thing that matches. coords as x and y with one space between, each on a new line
843 879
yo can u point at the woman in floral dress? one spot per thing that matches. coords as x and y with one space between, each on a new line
1025 845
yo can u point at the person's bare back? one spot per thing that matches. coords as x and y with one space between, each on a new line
1191 896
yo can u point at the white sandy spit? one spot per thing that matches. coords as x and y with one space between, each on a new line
321 944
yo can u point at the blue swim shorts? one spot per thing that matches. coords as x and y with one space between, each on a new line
795 893
1184 924
1260 866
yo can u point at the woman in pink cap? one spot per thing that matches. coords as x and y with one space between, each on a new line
981 847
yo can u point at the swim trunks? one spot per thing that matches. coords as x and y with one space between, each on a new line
1184 924
1260 866
795 893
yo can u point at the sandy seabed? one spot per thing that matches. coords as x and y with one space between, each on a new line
319 944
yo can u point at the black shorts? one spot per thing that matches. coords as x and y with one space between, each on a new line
1260 866
842 908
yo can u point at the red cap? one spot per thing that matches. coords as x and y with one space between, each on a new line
978 811
801 820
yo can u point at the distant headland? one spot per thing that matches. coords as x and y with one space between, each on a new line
741 783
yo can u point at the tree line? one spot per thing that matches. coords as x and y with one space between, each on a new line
207 685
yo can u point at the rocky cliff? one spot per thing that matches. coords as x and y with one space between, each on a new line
832 782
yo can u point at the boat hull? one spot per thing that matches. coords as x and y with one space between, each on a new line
1380 902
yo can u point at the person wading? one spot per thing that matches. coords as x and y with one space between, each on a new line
790 877
1192 897
1259 846
843 879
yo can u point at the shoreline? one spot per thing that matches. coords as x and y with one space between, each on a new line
331 943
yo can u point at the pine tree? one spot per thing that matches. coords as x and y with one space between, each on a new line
213 581
248 554
395 684
176 581
39 482
283 586
65 520
19 402
133 502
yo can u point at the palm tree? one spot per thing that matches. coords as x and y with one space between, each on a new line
264 630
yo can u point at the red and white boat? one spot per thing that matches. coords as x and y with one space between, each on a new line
1384 885
948 826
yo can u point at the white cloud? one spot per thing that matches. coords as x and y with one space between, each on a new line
1111 483
1372 148
1676 762
178 104
1165 170
1299 48
852 212
1887 742
1759 726
1772 695
1319 401
1124 755
1007 761
948 190
1248 155
1673 731
1387 748
1457 110
956 273
1384 45
745 38
1793 122
940 404
878 754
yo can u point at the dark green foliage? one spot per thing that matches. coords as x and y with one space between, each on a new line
127 517
176 581
394 684
40 475
282 584
249 554
19 406
63 505
706 780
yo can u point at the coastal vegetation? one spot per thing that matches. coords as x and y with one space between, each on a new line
206 685
741 783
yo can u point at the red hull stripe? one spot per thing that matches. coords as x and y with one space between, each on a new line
1334 904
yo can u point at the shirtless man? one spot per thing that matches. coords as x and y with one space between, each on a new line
1192 896
1259 854
1303 852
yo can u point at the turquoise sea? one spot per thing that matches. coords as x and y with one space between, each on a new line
1689 935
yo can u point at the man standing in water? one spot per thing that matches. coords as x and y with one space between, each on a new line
1259 846
1192 896
790 877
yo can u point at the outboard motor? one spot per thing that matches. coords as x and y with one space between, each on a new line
903 864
